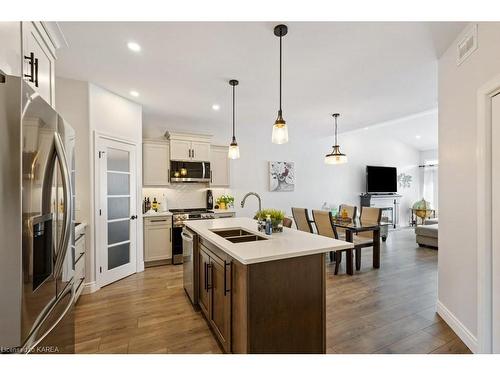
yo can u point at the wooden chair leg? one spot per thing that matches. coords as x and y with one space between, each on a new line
358 258
337 261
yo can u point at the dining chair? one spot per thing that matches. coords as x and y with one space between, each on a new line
351 214
324 225
301 218
365 239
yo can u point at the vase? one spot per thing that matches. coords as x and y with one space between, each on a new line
222 205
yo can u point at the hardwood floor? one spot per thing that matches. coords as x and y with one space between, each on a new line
389 310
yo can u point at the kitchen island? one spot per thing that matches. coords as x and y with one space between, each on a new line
261 294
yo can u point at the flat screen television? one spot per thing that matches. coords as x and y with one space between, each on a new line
381 179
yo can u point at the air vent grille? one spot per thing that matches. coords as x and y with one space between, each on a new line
467 44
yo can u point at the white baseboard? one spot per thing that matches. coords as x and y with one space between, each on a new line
456 325
90 288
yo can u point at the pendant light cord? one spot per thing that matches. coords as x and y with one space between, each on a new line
281 37
233 114
335 130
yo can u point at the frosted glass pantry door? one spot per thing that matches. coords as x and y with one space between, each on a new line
117 211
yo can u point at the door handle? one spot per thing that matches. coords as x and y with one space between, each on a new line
31 61
60 155
225 277
32 342
206 275
36 72
133 217
210 276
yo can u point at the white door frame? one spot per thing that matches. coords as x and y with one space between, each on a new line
96 204
484 215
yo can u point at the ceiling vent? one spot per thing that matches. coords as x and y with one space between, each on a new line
467 44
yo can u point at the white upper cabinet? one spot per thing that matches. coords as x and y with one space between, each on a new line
39 60
180 150
200 151
10 48
189 147
156 163
219 164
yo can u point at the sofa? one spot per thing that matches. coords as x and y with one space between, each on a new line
427 234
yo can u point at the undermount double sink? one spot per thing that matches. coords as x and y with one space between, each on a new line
238 235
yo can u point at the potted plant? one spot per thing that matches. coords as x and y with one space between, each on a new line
225 201
277 217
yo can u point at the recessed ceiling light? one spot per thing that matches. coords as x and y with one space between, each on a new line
133 46
418 136
366 128
215 107
134 93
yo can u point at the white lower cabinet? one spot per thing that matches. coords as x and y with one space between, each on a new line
157 239
80 249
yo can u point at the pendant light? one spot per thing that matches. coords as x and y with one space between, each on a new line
336 157
234 150
280 131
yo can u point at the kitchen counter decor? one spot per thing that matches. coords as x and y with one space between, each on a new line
277 217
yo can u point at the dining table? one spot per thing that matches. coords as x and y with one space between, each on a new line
355 226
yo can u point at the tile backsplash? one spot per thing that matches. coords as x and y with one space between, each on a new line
182 195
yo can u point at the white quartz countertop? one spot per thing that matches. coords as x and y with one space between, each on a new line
157 214
289 244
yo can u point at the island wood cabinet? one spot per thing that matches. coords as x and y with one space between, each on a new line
219 165
215 293
157 240
155 163
268 307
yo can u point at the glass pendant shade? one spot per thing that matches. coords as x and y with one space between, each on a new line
336 157
234 151
280 131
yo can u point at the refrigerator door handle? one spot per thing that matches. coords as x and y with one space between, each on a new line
66 180
30 342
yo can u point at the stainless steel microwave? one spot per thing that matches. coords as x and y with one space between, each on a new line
189 171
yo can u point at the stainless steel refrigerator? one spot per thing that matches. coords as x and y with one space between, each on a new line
37 223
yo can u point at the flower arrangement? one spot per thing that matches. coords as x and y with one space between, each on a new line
225 201
277 217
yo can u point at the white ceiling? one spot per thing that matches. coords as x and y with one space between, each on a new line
419 131
369 72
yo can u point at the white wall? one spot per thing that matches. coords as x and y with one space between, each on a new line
315 182
89 109
458 87
113 115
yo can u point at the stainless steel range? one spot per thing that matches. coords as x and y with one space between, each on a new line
179 216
